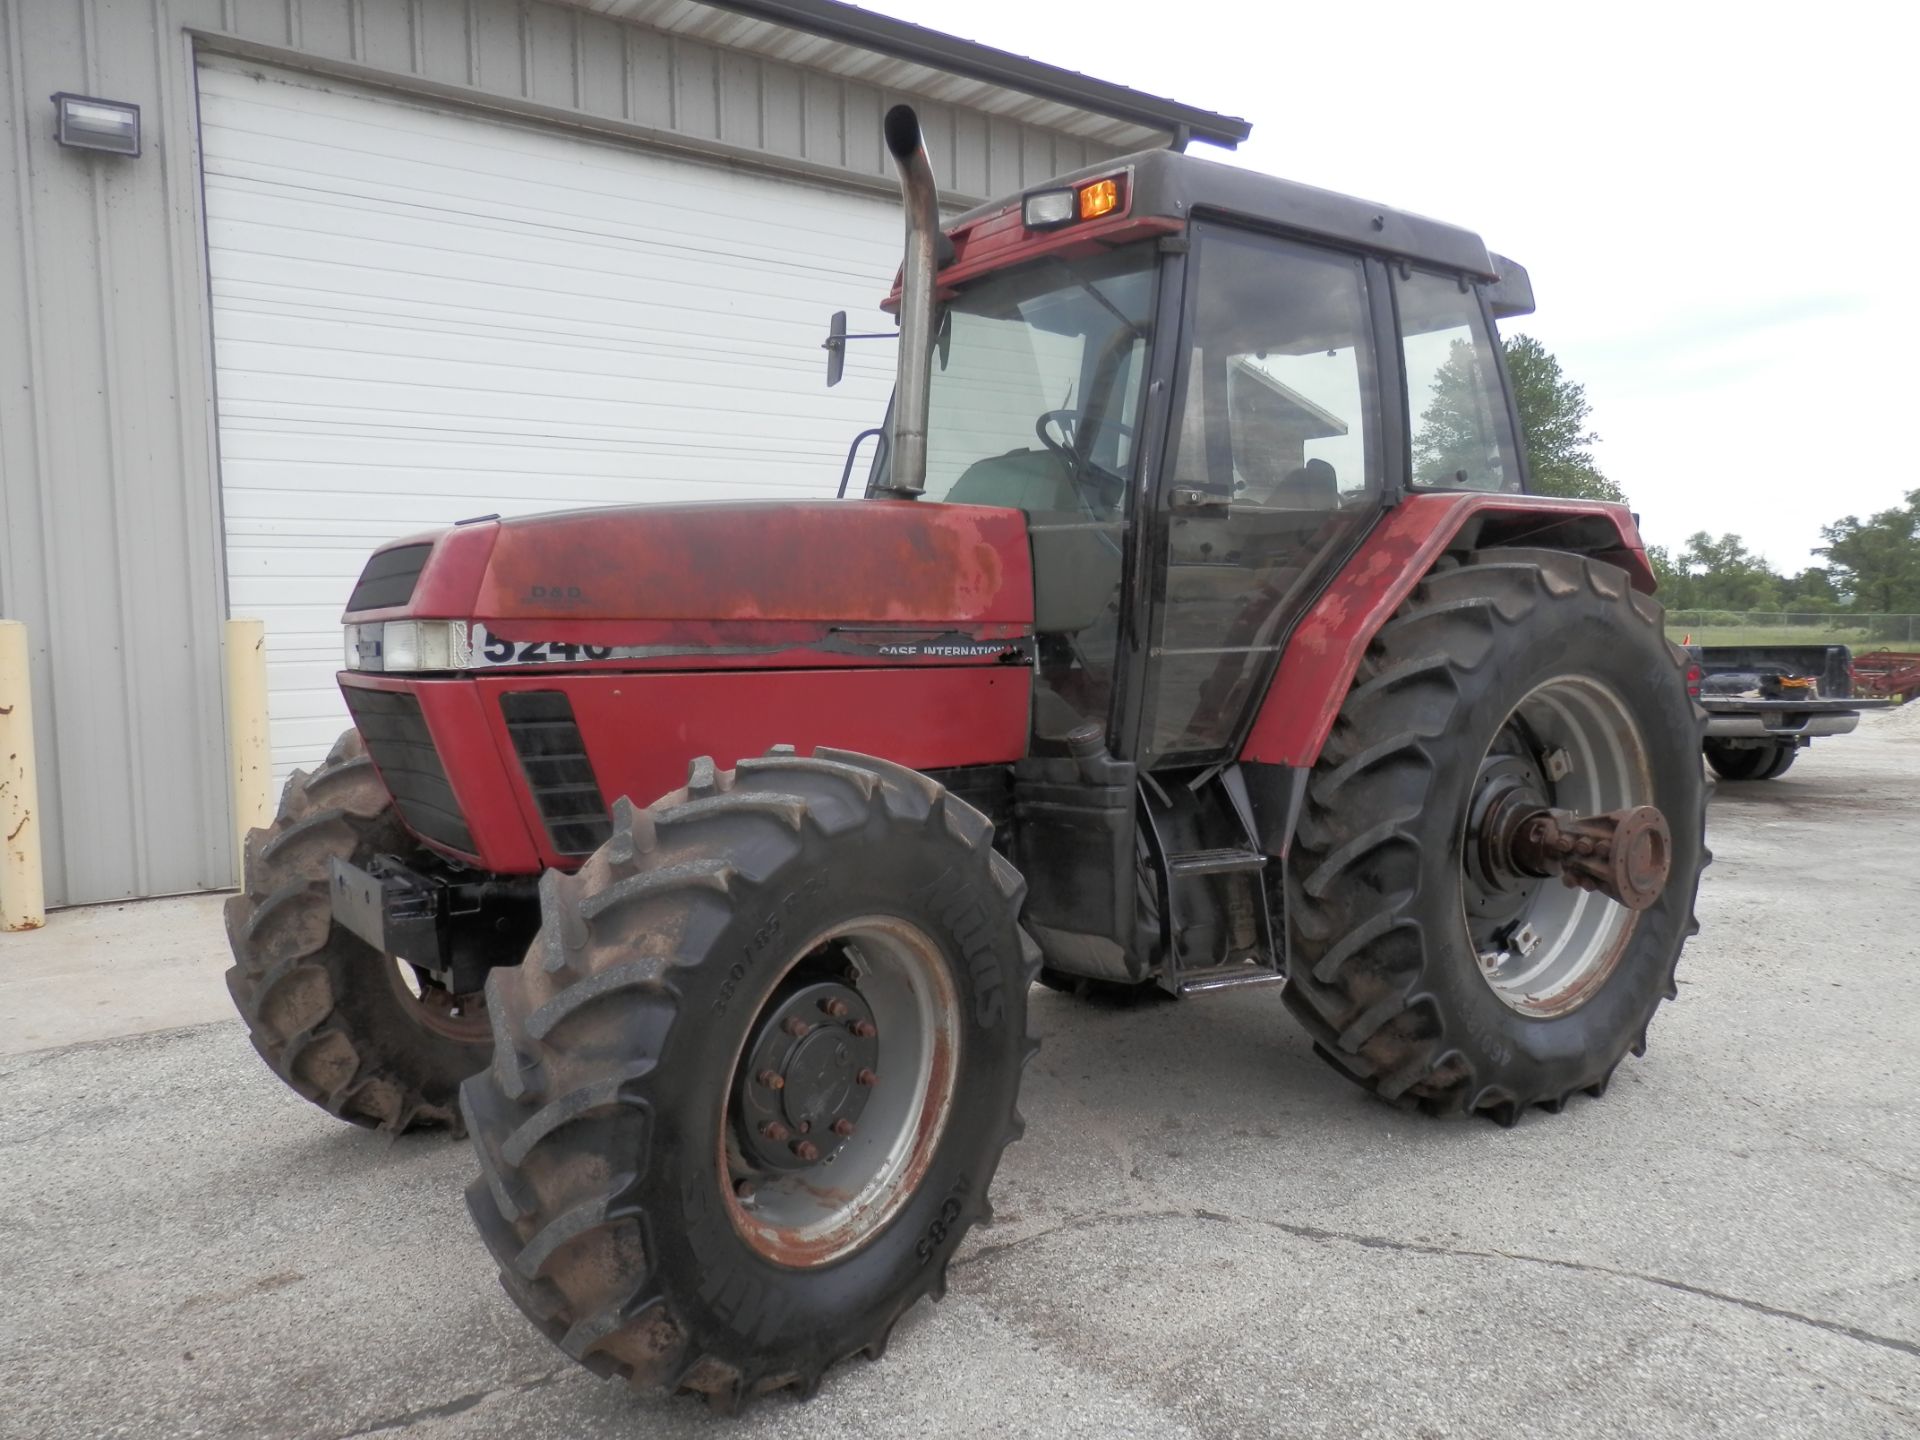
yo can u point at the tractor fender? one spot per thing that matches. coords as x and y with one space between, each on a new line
1324 651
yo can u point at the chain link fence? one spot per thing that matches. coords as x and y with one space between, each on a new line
1765 627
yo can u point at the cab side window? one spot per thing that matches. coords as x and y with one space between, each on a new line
1457 412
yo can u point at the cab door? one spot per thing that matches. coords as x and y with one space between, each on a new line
1275 467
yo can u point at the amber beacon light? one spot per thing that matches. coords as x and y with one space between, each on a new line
1100 198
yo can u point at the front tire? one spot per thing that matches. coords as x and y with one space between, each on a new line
762 958
1519 667
333 1017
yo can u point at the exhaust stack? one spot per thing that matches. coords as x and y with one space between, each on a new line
907 466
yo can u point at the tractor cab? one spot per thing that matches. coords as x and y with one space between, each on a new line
1204 389
1193 383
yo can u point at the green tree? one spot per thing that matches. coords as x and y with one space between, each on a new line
1676 585
1812 590
1722 574
1456 429
1553 421
1875 563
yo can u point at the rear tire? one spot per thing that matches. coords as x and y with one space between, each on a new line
331 1016
1385 973
625 1191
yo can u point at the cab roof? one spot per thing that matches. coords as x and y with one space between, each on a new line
1183 187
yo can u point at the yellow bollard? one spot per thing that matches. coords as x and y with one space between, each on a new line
23 896
249 755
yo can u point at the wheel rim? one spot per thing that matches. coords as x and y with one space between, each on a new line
436 1008
1544 947
861 1034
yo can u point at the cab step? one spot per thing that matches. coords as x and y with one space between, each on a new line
1264 963
1228 977
1230 861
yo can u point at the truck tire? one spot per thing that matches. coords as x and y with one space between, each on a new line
1411 969
333 1017
719 1142
1749 762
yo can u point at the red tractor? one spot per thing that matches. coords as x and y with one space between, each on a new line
1196 631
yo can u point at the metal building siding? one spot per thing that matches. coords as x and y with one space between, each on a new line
109 526
108 549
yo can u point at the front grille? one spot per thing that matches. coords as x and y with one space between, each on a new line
557 769
389 578
396 734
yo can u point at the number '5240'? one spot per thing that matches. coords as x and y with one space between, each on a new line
500 651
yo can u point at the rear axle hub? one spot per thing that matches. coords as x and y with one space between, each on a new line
1623 854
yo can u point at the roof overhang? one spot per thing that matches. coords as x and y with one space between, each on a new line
859 44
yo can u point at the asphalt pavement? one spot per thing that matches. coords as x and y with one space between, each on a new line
1205 1233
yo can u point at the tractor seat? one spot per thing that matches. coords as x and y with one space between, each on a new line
1313 486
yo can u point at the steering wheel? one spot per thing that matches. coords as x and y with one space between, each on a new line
1077 465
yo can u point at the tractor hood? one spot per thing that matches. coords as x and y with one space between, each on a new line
787 582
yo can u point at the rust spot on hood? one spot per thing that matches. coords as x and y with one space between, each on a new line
851 562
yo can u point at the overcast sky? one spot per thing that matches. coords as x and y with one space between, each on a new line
1716 202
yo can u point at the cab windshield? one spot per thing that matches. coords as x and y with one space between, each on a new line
1034 405
1036 387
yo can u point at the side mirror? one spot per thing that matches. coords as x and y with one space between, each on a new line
836 347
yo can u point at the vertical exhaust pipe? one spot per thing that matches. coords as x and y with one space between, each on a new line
907 466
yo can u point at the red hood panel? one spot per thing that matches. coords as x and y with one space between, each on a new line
911 564
866 561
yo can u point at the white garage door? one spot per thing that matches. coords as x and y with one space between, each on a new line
421 316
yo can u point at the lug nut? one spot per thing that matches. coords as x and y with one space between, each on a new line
834 1008
743 1189
795 1026
843 1127
775 1131
806 1150
867 1078
773 1080
864 1029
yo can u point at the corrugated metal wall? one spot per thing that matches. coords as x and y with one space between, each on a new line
111 543
109 527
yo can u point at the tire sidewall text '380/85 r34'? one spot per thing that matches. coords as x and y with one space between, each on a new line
1485 658
638 1211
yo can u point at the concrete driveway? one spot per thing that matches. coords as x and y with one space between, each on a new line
1205 1233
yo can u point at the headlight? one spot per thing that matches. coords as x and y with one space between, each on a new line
408 645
